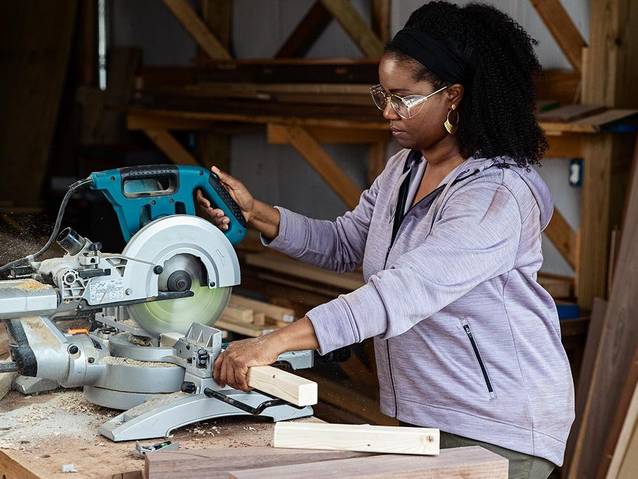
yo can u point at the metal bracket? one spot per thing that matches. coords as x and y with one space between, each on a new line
256 411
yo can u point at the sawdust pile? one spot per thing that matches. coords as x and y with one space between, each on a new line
115 360
63 414
31 285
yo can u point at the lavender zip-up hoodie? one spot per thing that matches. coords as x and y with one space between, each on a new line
466 340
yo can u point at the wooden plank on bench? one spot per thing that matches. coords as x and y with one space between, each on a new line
353 437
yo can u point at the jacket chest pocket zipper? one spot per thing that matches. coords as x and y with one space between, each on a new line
486 377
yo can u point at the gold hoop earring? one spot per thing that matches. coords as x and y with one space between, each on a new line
448 125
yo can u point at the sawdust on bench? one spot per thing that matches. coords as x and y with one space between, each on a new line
31 285
119 361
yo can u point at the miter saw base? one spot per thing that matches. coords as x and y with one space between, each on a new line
160 417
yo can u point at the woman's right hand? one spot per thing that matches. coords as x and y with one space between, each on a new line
237 191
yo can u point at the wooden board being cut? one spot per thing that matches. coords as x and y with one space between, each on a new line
284 385
352 437
462 462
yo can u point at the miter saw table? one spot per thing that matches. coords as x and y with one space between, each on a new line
151 345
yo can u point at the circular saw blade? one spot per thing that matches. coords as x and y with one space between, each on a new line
177 315
193 254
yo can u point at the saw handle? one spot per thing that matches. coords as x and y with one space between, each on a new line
142 194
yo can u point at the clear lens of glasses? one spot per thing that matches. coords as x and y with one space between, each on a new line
399 105
379 97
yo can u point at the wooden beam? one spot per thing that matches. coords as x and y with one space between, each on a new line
292 267
196 27
558 85
563 29
254 89
381 19
277 135
172 148
612 55
324 165
474 462
282 384
570 113
140 121
218 15
606 159
352 437
297 70
595 219
177 115
306 33
563 236
355 27
564 146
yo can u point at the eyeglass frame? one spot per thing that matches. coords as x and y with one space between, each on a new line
420 100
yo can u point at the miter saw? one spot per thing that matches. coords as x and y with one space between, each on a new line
150 348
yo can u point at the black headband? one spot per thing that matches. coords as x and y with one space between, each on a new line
436 56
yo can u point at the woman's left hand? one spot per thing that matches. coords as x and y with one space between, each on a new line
231 366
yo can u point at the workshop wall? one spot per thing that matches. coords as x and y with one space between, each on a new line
275 173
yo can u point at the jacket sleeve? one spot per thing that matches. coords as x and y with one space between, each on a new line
336 245
474 239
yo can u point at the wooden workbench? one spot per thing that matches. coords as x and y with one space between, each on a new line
38 434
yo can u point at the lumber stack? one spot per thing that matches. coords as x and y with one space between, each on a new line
260 462
253 318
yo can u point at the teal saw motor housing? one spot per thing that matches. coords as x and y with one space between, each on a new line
142 194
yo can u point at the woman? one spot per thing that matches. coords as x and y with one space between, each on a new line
449 236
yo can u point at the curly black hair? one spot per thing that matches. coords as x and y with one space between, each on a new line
497 111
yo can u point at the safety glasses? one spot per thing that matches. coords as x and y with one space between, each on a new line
405 106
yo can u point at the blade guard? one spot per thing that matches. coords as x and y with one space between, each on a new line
142 194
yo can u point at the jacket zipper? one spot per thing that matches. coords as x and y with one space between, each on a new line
488 383
387 255
401 200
